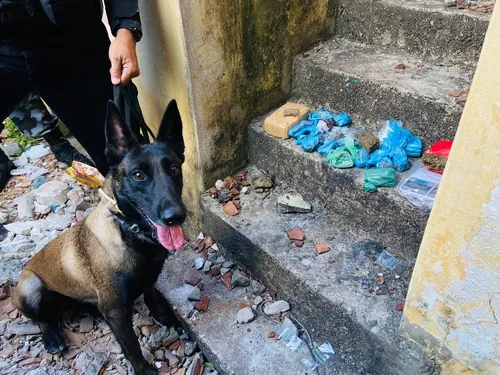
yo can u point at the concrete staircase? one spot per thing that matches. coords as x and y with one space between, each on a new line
333 294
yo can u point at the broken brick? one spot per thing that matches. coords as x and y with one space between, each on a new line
213 192
229 182
243 305
296 234
203 304
215 270
226 279
390 287
7 306
192 277
298 243
230 209
175 345
455 93
321 248
235 191
381 281
29 361
400 67
271 335
237 204
400 306
208 241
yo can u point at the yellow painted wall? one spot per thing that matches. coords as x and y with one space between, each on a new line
453 304
164 76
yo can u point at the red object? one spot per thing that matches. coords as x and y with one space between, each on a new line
440 148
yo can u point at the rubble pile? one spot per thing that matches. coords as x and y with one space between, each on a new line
33 211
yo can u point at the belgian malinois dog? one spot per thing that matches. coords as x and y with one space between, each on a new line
116 253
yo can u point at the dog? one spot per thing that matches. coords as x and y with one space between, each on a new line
117 252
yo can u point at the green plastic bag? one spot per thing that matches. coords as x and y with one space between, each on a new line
343 156
340 158
382 177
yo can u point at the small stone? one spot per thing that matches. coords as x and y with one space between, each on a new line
203 304
175 345
296 234
224 270
142 321
199 263
239 279
230 209
380 274
215 270
171 359
257 287
220 184
400 306
22 329
224 196
321 248
455 93
147 355
306 262
245 190
292 202
159 355
215 247
195 295
201 236
207 266
25 207
171 337
226 279
190 348
4 217
145 331
397 277
245 315
192 277
262 181
228 264
400 67
52 193
220 260
86 324
277 307
291 112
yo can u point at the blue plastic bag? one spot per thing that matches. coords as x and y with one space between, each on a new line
295 130
400 160
328 146
361 158
414 147
375 157
310 144
384 162
342 119
321 114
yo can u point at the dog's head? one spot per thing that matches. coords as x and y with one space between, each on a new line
147 179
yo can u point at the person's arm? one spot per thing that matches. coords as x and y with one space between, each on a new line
125 24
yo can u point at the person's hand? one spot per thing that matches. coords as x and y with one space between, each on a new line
124 65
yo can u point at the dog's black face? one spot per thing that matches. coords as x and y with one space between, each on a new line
147 179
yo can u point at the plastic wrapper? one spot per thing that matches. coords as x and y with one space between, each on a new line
289 334
383 177
295 130
340 158
323 352
311 143
400 160
86 175
420 186
342 119
361 158
384 162
328 146
390 262
414 147
321 114
31 172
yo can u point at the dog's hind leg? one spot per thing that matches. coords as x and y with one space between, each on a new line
43 306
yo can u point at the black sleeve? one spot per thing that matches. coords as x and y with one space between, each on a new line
123 14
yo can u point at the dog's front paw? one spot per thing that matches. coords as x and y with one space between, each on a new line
148 370
53 340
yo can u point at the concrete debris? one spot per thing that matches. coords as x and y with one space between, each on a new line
207 266
23 329
245 315
86 324
277 307
257 287
147 355
239 279
195 295
42 208
292 202
25 207
171 337
52 193
199 263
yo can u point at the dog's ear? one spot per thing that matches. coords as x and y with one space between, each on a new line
171 129
119 137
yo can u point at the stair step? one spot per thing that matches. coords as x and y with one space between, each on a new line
385 215
242 349
423 27
362 81
329 293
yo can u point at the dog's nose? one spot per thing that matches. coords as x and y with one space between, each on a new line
173 217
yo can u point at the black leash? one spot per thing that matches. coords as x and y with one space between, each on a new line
127 102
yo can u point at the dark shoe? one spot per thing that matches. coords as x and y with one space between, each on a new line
5 167
63 150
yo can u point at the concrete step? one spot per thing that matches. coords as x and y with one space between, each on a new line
385 216
362 81
330 293
232 348
423 27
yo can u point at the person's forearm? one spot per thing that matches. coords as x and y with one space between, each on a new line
124 14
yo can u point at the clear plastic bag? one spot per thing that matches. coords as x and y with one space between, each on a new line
419 186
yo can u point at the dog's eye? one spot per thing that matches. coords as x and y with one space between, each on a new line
175 170
139 176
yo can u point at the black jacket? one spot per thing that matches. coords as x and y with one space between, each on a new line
73 13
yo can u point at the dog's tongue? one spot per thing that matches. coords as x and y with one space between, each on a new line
171 238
